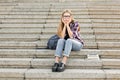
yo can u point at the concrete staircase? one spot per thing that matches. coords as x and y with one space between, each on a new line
26 25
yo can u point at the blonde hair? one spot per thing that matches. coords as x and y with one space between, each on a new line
61 24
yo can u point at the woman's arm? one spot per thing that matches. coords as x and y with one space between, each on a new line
63 32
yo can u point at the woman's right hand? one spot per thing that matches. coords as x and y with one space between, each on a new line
66 22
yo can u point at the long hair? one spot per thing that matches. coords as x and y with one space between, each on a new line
61 24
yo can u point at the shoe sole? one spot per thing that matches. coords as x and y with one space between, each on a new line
54 70
61 70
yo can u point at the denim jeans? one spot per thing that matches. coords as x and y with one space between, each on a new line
68 46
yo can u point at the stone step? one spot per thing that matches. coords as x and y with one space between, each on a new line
83 7
42 13
107 37
110 45
15 62
81 74
37 1
40 21
96 31
62 4
29 4
73 8
3 13
24 16
36 44
50 5
80 63
5 10
104 10
68 3
12 74
43 44
43 21
76 15
92 38
107 31
103 6
80 20
6 7
42 74
47 63
47 53
81 11
36 21
19 37
83 36
114 21
39 27
86 34
99 3
86 16
40 16
36 31
104 13
105 16
110 63
23 21
8 4
20 10
95 26
86 9
91 3
17 10
46 6
12 14
106 26
53 16
36 37
37 74
19 45
44 26
47 31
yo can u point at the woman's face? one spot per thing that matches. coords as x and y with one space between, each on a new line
67 17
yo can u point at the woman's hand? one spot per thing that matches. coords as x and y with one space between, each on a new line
66 22
66 26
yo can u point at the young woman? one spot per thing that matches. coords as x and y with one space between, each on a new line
70 39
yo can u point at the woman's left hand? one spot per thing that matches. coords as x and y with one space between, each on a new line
66 22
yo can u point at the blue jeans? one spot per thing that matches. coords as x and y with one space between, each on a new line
68 45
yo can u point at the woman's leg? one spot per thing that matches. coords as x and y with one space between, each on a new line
61 67
58 54
59 49
71 44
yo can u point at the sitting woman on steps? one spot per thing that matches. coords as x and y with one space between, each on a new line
70 39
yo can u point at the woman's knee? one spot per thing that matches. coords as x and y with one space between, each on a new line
69 41
60 41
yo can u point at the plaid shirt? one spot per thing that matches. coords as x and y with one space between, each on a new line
76 33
